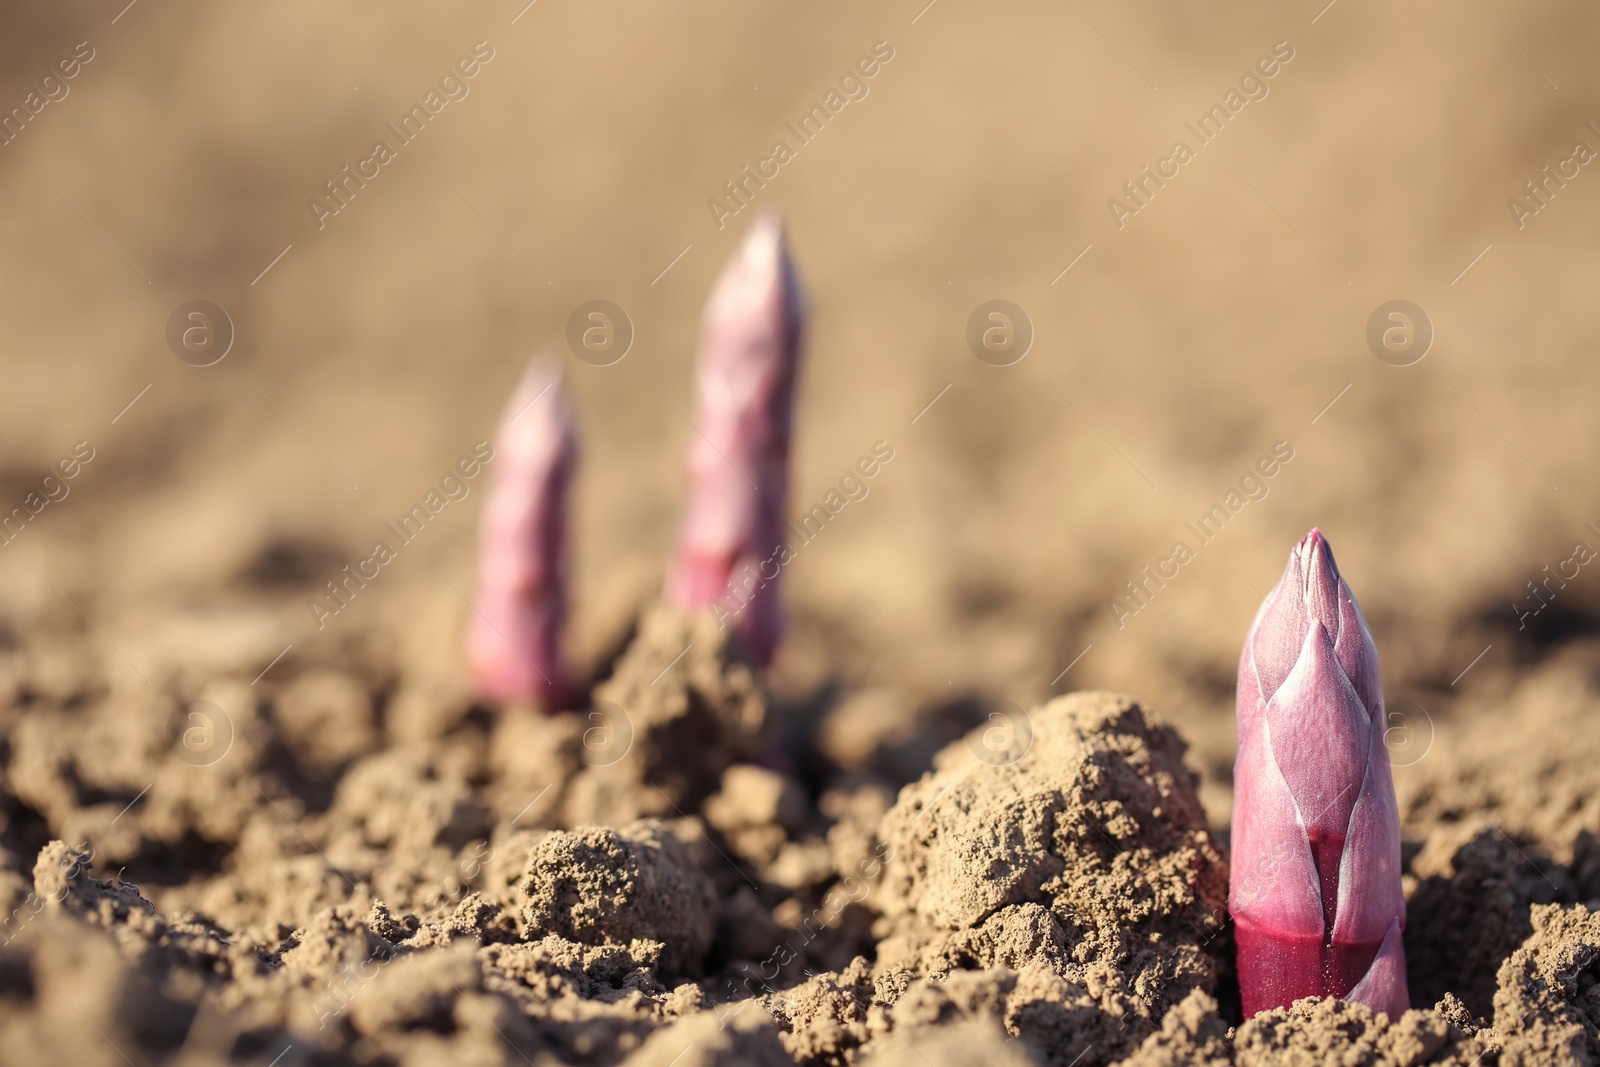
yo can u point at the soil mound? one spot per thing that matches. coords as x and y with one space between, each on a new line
1074 844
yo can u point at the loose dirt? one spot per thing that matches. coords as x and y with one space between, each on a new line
347 884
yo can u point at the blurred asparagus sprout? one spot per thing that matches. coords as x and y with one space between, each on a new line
750 340
514 645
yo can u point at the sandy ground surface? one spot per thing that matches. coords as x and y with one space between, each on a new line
1176 342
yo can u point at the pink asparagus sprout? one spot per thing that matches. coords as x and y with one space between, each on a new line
1316 899
739 461
515 642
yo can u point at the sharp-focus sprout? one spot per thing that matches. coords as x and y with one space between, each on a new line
1316 898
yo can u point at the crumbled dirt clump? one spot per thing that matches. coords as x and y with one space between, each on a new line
828 1016
1473 904
1055 1021
744 1037
1081 850
1317 1031
1192 1035
680 706
1547 1009
598 886
957 1045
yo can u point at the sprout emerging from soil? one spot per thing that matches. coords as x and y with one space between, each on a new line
515 642
1316 899
739 462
